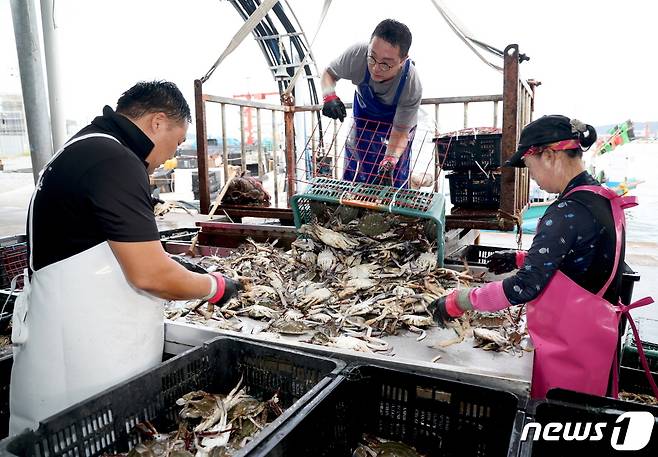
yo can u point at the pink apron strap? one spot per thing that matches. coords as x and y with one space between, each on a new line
617 204
643 358
628 201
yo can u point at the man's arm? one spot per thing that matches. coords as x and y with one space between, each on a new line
148 267
328 83
397 142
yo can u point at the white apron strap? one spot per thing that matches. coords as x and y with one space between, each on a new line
40 181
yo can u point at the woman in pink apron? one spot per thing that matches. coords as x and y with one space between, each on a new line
570 277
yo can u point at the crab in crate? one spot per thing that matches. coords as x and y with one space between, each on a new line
372 446
210 425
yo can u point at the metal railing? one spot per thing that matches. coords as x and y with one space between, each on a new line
202 138
517 107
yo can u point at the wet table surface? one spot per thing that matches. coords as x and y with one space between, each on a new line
461 361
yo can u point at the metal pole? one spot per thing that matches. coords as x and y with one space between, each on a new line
32 83
495 114
259 133
508 182
224 143
289 123
55 93
437 169
202 147
314 153
243 151
275 161
335 146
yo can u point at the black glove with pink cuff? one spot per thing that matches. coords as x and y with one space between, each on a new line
333 107
489 298
446 308
226 289
505 261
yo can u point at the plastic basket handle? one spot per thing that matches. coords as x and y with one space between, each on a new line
361 204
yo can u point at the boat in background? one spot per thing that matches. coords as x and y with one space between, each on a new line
538 205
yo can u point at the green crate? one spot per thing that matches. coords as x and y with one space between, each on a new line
405 202
648 330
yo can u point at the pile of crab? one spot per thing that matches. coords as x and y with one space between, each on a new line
346 285
209 425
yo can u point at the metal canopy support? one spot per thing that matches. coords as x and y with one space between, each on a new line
201 146
26 32
51 48
510 127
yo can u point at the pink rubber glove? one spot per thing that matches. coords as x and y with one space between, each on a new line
490 297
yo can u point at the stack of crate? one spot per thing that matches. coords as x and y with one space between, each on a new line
474 157
214 183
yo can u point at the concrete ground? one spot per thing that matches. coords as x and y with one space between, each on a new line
16 186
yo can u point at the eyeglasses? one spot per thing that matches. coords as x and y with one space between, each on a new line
382 65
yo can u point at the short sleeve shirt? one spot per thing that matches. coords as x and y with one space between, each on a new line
96 190
353 64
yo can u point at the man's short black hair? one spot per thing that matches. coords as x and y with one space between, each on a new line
395 33
154 96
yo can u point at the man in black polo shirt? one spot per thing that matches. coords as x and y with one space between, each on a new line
91 314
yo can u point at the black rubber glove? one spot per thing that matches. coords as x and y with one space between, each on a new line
191 266
334 108
502 262
439 313
231 289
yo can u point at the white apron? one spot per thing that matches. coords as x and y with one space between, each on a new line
79 327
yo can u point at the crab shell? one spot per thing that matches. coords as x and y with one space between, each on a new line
309 258
427 261
326 260
360 283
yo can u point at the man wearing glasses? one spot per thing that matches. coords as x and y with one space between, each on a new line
385 108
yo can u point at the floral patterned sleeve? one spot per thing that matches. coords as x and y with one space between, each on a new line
565 224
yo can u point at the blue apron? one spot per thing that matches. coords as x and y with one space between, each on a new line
372 127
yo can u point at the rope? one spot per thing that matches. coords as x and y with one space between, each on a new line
517 221
465 37
325 9
239 37
13 287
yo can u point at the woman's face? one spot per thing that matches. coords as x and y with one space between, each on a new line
542 169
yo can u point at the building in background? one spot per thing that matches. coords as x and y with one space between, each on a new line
13 128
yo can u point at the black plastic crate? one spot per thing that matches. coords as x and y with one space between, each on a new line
104 424
438 417
635 380
474 189
469 152
628 280
586 409
6 363
475 255
179 234
648 331
13 260
582 399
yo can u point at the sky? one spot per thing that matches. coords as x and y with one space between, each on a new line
595 59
